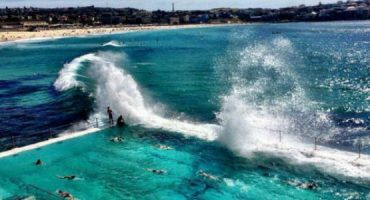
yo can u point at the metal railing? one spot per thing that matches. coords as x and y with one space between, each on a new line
40 194
16 141
360 144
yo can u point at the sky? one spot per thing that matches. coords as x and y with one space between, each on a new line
162 4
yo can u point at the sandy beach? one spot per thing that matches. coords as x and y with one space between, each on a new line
6 36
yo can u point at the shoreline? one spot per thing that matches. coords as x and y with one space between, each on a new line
22 36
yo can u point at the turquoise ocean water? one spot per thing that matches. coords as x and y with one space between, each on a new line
218 96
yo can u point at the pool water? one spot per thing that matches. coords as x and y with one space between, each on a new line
108 170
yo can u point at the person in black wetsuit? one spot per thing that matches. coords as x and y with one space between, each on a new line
38 162
70 177
110 115
120 121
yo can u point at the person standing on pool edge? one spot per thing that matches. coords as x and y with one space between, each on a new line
110 115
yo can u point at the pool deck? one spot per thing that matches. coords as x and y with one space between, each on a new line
47 142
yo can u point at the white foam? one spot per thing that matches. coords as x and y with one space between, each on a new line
114 43
250 119
67 78
251 133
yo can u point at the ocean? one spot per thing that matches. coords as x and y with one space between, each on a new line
227 112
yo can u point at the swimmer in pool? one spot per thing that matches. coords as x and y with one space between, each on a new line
157 171
65 195
117 139
207 175
164 147
306 186
38 162
70 177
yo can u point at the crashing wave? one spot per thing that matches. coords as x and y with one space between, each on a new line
67 78
266 102
246 119
117 89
